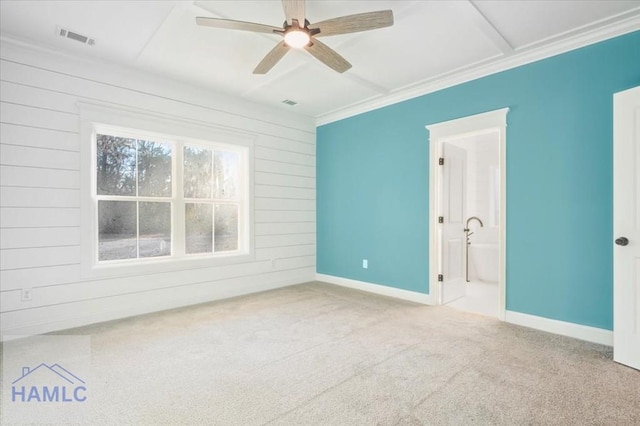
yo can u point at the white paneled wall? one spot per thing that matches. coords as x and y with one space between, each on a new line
40 193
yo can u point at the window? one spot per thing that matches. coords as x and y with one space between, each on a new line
162 197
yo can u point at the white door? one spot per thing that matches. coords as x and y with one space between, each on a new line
626 227
453 210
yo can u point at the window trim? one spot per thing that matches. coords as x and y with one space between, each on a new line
161 127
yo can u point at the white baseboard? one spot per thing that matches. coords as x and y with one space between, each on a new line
577 331
73 321
383 290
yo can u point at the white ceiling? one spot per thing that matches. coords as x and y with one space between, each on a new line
432 43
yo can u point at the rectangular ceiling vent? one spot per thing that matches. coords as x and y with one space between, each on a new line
63 32
289 102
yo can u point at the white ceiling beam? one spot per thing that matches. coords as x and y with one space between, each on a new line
177 8
468 9
400 12
366 83
273 75
204 6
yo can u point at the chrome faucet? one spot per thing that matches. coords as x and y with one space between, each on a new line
469 220
468 234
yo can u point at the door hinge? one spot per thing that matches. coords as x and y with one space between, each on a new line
440 219
440 278
441 161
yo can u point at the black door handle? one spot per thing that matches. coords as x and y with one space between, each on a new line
622 241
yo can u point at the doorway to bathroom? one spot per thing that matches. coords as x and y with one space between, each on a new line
467 222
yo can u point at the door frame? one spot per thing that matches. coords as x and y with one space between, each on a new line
454 129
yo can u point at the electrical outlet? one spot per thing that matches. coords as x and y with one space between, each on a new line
365 263
27 295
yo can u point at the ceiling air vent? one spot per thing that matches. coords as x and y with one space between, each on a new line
63 32
289 102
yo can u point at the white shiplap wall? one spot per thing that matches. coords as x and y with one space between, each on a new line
40 193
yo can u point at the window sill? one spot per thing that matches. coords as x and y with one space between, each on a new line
155 265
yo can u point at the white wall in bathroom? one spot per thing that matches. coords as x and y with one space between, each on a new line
486 157
482 161
473 198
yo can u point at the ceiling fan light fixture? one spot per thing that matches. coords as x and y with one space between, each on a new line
297 39
298 33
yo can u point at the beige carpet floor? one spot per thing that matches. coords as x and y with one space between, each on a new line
317 354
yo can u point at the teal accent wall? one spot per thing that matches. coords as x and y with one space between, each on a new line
373 182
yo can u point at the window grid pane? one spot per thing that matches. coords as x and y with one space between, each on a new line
198 172
198 228
226 227
226 168
154 169
117 230
116 165
154 224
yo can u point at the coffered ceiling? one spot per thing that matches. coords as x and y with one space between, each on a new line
432 44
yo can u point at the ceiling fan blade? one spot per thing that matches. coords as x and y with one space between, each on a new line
294 9
272 58
328 56
236 25
354 23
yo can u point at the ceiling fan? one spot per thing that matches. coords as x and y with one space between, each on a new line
298 33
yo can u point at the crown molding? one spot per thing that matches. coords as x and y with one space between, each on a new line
625 24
